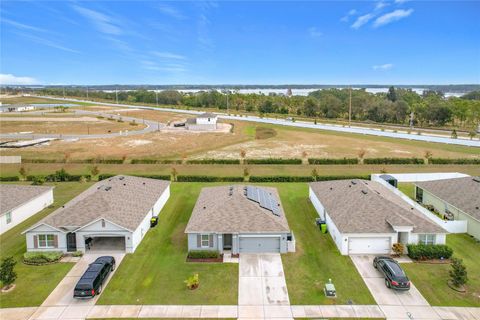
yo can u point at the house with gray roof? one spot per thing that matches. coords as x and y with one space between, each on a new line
454 199
112 215
202 122
239 219
364 217
19 202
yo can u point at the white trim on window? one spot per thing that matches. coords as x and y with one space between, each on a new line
205 238
428 239
46 241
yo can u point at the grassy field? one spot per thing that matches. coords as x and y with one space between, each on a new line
34 283
20 99
316 259
407 188
154 274
235 170
431 280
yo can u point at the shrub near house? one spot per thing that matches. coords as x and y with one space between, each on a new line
429 252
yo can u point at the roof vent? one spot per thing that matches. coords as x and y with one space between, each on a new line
204 207
364 191
331 188
107 188
121 178
144 183
124 184
353 182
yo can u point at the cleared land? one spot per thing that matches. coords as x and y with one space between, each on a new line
431 279
7 99
154 274
35 283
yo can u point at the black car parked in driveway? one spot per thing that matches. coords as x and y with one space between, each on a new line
91 282
395 277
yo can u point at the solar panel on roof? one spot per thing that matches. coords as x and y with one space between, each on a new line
264 199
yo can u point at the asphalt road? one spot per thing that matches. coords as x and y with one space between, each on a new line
322 126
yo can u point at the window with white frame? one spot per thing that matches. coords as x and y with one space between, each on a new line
46 241
205 240
426 239
9 217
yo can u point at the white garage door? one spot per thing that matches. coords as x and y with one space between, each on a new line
259 244
368 245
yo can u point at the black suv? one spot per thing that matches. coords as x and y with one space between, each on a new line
90 284
395 278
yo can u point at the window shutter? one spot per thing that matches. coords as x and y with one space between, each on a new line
210 239
199 240
35 242
55 241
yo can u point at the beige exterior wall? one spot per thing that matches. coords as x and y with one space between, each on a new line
473 226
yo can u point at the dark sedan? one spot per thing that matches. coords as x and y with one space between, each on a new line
91 282
395 277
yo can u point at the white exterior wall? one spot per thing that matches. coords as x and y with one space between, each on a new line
43 229
26 210
202 127
316 203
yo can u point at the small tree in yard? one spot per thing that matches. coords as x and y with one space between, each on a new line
458 274
38 180
314 174
193 282
398 249
174 173
246 173
7 272
94 170
361 154
454 134
427 155
23 172
472 134
243 154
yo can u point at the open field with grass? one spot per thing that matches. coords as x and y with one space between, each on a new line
64 125
154 274
431 279
234 170
257 140
316 259
7 99
34 283
408 188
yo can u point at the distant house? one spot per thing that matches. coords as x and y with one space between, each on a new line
17 108
204 121
19 203
112 215
239 219
364 217
455 199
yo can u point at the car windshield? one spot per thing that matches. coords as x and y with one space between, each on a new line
83 286
396 269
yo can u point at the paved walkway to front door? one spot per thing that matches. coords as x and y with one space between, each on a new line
262 289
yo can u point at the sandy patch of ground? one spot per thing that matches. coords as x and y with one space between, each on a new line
401 152
221 128
45 119
137 143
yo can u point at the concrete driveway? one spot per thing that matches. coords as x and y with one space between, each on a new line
394 304
62 295
262 290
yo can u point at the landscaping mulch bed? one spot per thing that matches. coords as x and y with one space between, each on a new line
219 259
462 289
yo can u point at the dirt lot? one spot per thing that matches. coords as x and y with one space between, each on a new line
8 99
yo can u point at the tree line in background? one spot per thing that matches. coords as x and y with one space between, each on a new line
397 106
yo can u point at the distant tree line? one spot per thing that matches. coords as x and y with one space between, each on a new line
397 106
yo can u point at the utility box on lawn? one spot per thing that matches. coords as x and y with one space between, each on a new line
153 221
330 291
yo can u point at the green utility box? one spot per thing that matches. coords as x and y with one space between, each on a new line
323 227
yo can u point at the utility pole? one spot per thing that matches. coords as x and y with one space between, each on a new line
63 92
350 107
156 96
87 93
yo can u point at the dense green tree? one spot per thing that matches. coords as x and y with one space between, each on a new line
392 94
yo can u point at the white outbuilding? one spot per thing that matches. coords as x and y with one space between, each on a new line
112 215
204 121
19 203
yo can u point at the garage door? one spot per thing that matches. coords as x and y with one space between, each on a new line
106 244
368 245
259 244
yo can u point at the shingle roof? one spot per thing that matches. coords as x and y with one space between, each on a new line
13 195
462 193
361 206
123 200
218 211
207 115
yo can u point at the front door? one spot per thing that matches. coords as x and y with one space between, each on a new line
227 241
71 242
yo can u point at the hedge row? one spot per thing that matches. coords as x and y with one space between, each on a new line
332 161
44 257
104 176
304 178
393 161
155 161
60 178
214 161
10 178
273 161
427 252
42 160
91 160
208 179
203 254
153 176
453 161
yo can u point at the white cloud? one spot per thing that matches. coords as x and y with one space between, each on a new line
350 13
401 1
46 42
380 5
171 11
19 25
392 17
102 22
383 67
168 55
11 79
362 20
314 32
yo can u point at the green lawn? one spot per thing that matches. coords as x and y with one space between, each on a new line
154 274
431 280
408 188
316 259
34 283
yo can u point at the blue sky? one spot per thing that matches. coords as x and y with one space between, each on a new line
250 42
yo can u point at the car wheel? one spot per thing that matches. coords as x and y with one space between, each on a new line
387 283
374 264
113 267
99 290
